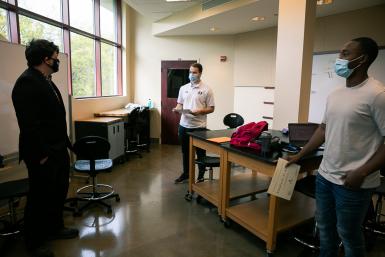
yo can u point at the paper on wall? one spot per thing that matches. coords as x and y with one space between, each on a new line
284 179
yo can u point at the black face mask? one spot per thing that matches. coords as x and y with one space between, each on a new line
55 65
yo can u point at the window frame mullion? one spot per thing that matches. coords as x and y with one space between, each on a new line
98 65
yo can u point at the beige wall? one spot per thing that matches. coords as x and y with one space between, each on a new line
149 51
254 58
254 54
251 56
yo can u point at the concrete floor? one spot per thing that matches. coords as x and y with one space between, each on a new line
153 219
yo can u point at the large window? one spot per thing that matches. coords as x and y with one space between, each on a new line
109 68
83 66
107 24
89 31
30 29
47 8
82 15
4 31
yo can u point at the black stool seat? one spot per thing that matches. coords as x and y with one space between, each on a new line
209 161
15 188
306 186
233 120
100 165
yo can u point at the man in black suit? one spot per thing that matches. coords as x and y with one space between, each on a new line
43 143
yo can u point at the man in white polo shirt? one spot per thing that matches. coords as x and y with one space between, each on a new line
353 129
197 97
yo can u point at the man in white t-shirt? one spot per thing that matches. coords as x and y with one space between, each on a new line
198 99
353 129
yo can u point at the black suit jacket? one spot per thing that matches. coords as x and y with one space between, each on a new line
41 116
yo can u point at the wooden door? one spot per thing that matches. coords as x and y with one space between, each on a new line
174 75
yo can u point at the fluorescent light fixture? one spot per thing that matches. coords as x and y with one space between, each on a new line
258 18
322 2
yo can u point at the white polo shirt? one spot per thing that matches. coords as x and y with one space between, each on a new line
193 97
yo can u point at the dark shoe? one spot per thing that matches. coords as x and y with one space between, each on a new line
201 176
65 233
182 179
41 251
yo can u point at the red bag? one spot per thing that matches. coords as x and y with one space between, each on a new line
245 135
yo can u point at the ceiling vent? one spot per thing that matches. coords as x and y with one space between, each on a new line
208 4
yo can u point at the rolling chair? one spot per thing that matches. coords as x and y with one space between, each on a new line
306 186
131 134
231 120
11 191
91 152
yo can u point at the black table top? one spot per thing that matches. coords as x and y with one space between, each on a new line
270 158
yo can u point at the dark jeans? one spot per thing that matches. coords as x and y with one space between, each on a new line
184 139
340 213
48 188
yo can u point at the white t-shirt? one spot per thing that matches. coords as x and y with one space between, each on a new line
355 127
192 97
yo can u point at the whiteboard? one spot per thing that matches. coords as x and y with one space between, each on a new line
13 63
325 80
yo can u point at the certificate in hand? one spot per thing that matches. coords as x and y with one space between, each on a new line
183 111
284 179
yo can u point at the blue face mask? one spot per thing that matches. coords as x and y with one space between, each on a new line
342 69
193 78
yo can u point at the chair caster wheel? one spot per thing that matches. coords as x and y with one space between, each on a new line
117 198
188 197
199 199
227 223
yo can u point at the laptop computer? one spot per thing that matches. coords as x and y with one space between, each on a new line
300 133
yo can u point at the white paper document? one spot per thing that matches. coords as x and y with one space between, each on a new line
284 179
184 111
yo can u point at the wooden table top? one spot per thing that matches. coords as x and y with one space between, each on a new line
114 113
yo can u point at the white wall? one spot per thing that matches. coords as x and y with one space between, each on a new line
149 51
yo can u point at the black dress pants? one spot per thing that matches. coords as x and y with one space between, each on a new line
48 188
184 139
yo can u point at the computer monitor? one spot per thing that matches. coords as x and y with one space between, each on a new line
300 133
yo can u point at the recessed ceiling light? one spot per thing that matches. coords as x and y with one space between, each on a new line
213 29
258 18
322 2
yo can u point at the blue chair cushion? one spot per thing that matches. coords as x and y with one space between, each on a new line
100 165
